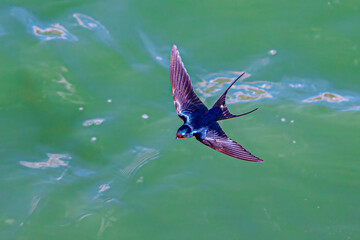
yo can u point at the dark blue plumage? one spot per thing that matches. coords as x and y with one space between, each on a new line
199 121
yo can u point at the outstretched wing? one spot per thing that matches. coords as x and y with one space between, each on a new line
217 139
185 99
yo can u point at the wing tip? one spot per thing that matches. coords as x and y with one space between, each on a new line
175 57
251 158
174 50
236 79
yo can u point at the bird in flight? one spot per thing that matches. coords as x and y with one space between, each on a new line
199 121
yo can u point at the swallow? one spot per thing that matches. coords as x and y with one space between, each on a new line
198 120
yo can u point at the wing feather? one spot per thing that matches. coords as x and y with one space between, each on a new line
218 140
185 99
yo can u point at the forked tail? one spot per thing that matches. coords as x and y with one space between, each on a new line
220 103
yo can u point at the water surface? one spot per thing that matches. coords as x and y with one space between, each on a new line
88 123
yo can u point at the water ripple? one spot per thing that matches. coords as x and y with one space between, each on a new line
89 23
101 32
352 109
152 50
142 156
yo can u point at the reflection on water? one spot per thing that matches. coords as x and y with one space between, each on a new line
54 161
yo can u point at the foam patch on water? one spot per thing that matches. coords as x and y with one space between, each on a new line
41 30
63 28
54 31
54 161
104 187
329 97
318 91
61 31
93 122
300 90
244 92
272 52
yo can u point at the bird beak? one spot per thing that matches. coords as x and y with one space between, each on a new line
178 136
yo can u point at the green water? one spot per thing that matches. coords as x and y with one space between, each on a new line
88 123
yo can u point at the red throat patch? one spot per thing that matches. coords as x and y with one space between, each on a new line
178 135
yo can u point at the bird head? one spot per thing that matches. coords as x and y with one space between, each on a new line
184 132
